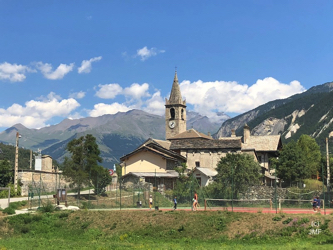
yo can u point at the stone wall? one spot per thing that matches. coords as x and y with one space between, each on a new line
47 181
264 192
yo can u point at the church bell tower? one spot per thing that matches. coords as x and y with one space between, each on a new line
175 111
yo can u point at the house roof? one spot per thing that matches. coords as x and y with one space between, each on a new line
191 133
203 143
263 143
207 171
154 147
168 174
164 144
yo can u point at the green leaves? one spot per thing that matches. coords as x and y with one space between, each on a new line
299 160
6 173
82 167
237 171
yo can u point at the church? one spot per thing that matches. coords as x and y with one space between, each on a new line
155 160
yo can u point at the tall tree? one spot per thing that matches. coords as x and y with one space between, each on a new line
291 165
237 172
311 151
82 166
299 160
6 173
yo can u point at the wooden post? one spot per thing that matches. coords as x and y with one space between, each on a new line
271 204
205 204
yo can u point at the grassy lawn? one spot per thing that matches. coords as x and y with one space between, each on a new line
164 230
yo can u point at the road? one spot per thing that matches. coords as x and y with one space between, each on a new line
4 202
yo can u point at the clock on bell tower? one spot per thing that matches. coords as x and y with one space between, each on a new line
175 111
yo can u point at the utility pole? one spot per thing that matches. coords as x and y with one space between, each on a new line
328 167
30 159
16 162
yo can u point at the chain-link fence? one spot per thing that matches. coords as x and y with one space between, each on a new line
139 194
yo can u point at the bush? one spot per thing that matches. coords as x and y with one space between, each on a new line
287 221
47 208
277 218
9 210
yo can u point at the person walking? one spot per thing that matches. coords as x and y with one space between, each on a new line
195 201
314 204
318 204
175 203
150 201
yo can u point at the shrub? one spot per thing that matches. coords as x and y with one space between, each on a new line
47 208
287 221
25 229
9 210
37 217
63 215
303 221
276 218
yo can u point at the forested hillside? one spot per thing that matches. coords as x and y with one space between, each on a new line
7 152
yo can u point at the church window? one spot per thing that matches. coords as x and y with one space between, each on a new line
172 113
182 114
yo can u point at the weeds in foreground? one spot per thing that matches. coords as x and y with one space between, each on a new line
176 230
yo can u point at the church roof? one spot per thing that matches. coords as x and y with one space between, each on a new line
263 143
175 95
191 133
203 143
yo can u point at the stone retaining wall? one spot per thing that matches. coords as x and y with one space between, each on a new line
264 192
47 181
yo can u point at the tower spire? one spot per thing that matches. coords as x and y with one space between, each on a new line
175 95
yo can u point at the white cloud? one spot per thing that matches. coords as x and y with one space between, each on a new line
109 91
35 114
77 95
86 65
145 53
137 91
13 72
58 73
155 105
208 97
102 109
76 115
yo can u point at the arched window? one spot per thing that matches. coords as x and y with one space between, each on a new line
182 114
172 113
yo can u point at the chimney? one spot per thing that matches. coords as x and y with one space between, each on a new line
233 133
247 133
209 134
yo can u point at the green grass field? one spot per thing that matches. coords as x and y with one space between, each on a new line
164 230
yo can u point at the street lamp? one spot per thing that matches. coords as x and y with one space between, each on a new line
16 161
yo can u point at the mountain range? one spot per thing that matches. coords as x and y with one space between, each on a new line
309 113
116 134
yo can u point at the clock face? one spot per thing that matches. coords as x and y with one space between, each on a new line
172 124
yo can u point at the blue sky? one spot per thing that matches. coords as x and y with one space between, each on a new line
73 59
